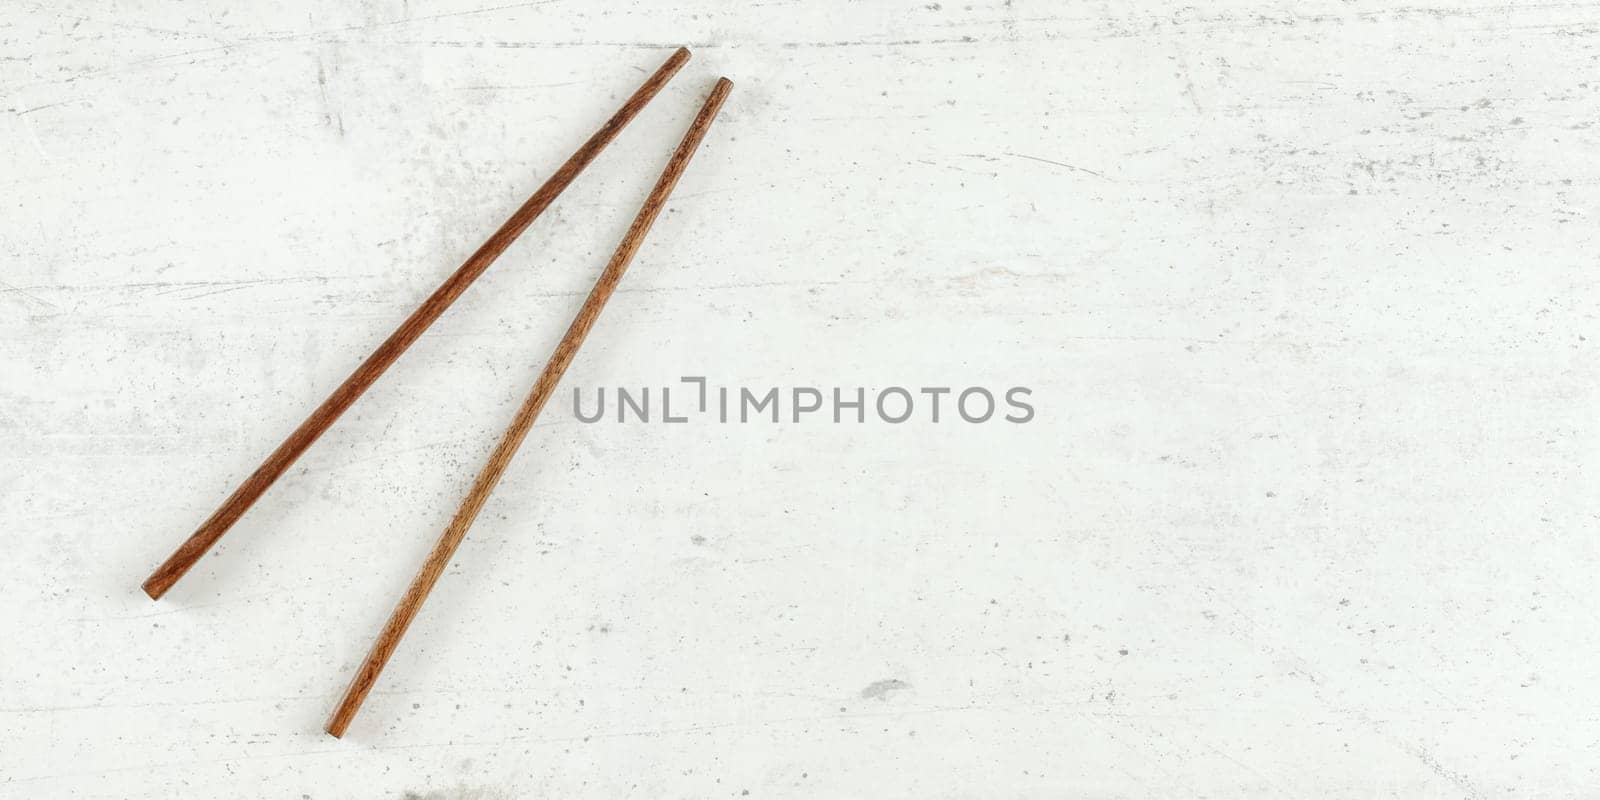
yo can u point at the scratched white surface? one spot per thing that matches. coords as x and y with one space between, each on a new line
1306 296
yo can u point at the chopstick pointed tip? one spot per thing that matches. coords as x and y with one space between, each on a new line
154 587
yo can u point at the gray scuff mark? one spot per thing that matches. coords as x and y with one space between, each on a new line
461 792
331 117
43 107
879 690
1460 780
6 288
1072 167
27 124
1188 82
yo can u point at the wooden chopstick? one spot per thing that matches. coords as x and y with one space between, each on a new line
193 548
389 638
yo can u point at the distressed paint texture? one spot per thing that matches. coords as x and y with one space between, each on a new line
1306 297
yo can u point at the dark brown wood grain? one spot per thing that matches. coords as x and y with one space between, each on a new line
193 548
438 558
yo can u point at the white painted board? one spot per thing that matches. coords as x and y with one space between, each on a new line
1305 295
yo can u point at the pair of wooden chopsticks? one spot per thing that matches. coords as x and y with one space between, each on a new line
365 375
